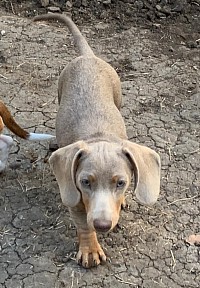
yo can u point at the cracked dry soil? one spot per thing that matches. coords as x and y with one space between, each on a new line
161 99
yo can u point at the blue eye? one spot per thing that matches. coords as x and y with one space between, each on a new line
85 182
121 183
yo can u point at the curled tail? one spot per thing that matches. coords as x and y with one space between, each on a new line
7 119
80 41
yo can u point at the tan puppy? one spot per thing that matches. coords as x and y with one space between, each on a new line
95 162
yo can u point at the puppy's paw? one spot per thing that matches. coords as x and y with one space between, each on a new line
88 258
90 253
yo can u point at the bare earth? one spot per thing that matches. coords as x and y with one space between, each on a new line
161 101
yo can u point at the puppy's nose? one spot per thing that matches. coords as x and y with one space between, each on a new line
102 225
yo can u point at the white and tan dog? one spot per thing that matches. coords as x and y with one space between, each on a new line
95 163
7 141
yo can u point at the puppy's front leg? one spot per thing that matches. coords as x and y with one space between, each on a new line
90 253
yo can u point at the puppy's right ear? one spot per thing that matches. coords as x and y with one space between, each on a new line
64 163
146 166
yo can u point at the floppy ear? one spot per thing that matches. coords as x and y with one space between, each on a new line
64 163
146 166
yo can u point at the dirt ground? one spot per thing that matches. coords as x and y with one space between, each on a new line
158 60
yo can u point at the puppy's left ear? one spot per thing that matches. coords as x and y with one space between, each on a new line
146 166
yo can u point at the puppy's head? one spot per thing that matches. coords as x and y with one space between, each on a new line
100 173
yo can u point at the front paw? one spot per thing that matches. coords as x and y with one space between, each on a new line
90 253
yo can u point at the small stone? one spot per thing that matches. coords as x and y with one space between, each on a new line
54 9
68 4
106 2
166 10
44 3
160 15
3 32
158 7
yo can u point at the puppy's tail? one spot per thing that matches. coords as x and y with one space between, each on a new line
80 41
8 120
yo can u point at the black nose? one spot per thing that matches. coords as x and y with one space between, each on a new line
102 225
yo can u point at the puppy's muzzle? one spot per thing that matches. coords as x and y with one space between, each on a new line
102 225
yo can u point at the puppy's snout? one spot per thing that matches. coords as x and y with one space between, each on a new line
102 225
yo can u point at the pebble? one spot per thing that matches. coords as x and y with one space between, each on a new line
54 9
68 4
158 7
106 2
